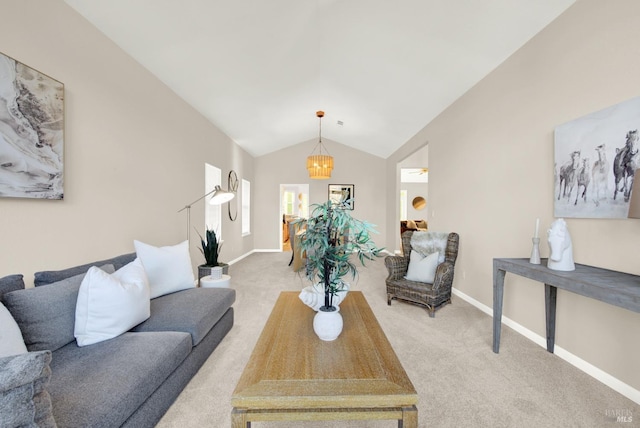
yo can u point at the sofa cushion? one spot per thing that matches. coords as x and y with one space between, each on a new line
168 268
422 269
110 304
24 400
46 315
11 341
194 311
11 283
51 276
101 385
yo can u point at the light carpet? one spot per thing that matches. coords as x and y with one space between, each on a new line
449 359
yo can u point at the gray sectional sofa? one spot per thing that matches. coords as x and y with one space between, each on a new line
130 380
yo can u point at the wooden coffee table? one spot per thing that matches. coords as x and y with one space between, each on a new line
293 375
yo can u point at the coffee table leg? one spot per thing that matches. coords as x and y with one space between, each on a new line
409 417
239 419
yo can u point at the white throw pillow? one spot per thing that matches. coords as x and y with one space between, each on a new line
111 304
168 268
422 269
11 342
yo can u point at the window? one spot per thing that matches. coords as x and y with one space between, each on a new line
287 202
403 204
212 213
246 207
303 206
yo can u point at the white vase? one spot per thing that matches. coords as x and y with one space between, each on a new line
328 324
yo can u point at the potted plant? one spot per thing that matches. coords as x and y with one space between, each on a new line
331 240
210 250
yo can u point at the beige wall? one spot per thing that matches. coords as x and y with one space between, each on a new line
288 166
491 175
134 151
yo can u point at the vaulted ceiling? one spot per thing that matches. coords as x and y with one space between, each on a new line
260 69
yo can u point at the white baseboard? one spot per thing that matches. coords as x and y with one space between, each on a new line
237 259
593 371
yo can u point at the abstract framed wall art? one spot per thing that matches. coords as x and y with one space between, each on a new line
31 132
342 194
595 159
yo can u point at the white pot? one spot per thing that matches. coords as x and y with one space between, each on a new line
328 324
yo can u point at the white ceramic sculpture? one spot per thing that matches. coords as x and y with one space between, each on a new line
313 295
561 256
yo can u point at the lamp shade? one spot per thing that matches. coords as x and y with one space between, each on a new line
319 166
220 196
634 202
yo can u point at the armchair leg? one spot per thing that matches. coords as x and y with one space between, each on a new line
389 297
432 311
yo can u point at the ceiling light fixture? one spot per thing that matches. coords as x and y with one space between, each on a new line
319 165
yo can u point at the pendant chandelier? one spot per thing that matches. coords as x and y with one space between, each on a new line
319 165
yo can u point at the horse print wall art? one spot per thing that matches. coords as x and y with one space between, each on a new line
595 160
31 132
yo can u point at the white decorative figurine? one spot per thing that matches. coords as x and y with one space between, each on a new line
535 251
561 257
313 295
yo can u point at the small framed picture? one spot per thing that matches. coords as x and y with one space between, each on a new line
342 195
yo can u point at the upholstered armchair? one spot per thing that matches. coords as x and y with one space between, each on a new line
431 295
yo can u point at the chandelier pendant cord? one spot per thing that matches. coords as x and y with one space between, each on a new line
319 146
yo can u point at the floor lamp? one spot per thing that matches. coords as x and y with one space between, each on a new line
219 197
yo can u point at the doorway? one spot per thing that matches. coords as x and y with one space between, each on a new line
294 203
413 186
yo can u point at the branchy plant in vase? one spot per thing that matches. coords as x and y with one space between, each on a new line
332 241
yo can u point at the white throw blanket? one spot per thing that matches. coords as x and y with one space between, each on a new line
427 243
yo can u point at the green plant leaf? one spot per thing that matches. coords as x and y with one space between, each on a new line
210 247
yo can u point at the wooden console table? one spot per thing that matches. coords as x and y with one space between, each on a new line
616 288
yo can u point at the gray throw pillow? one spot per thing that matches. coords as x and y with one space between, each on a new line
24 400
11 283
47 315
51 276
